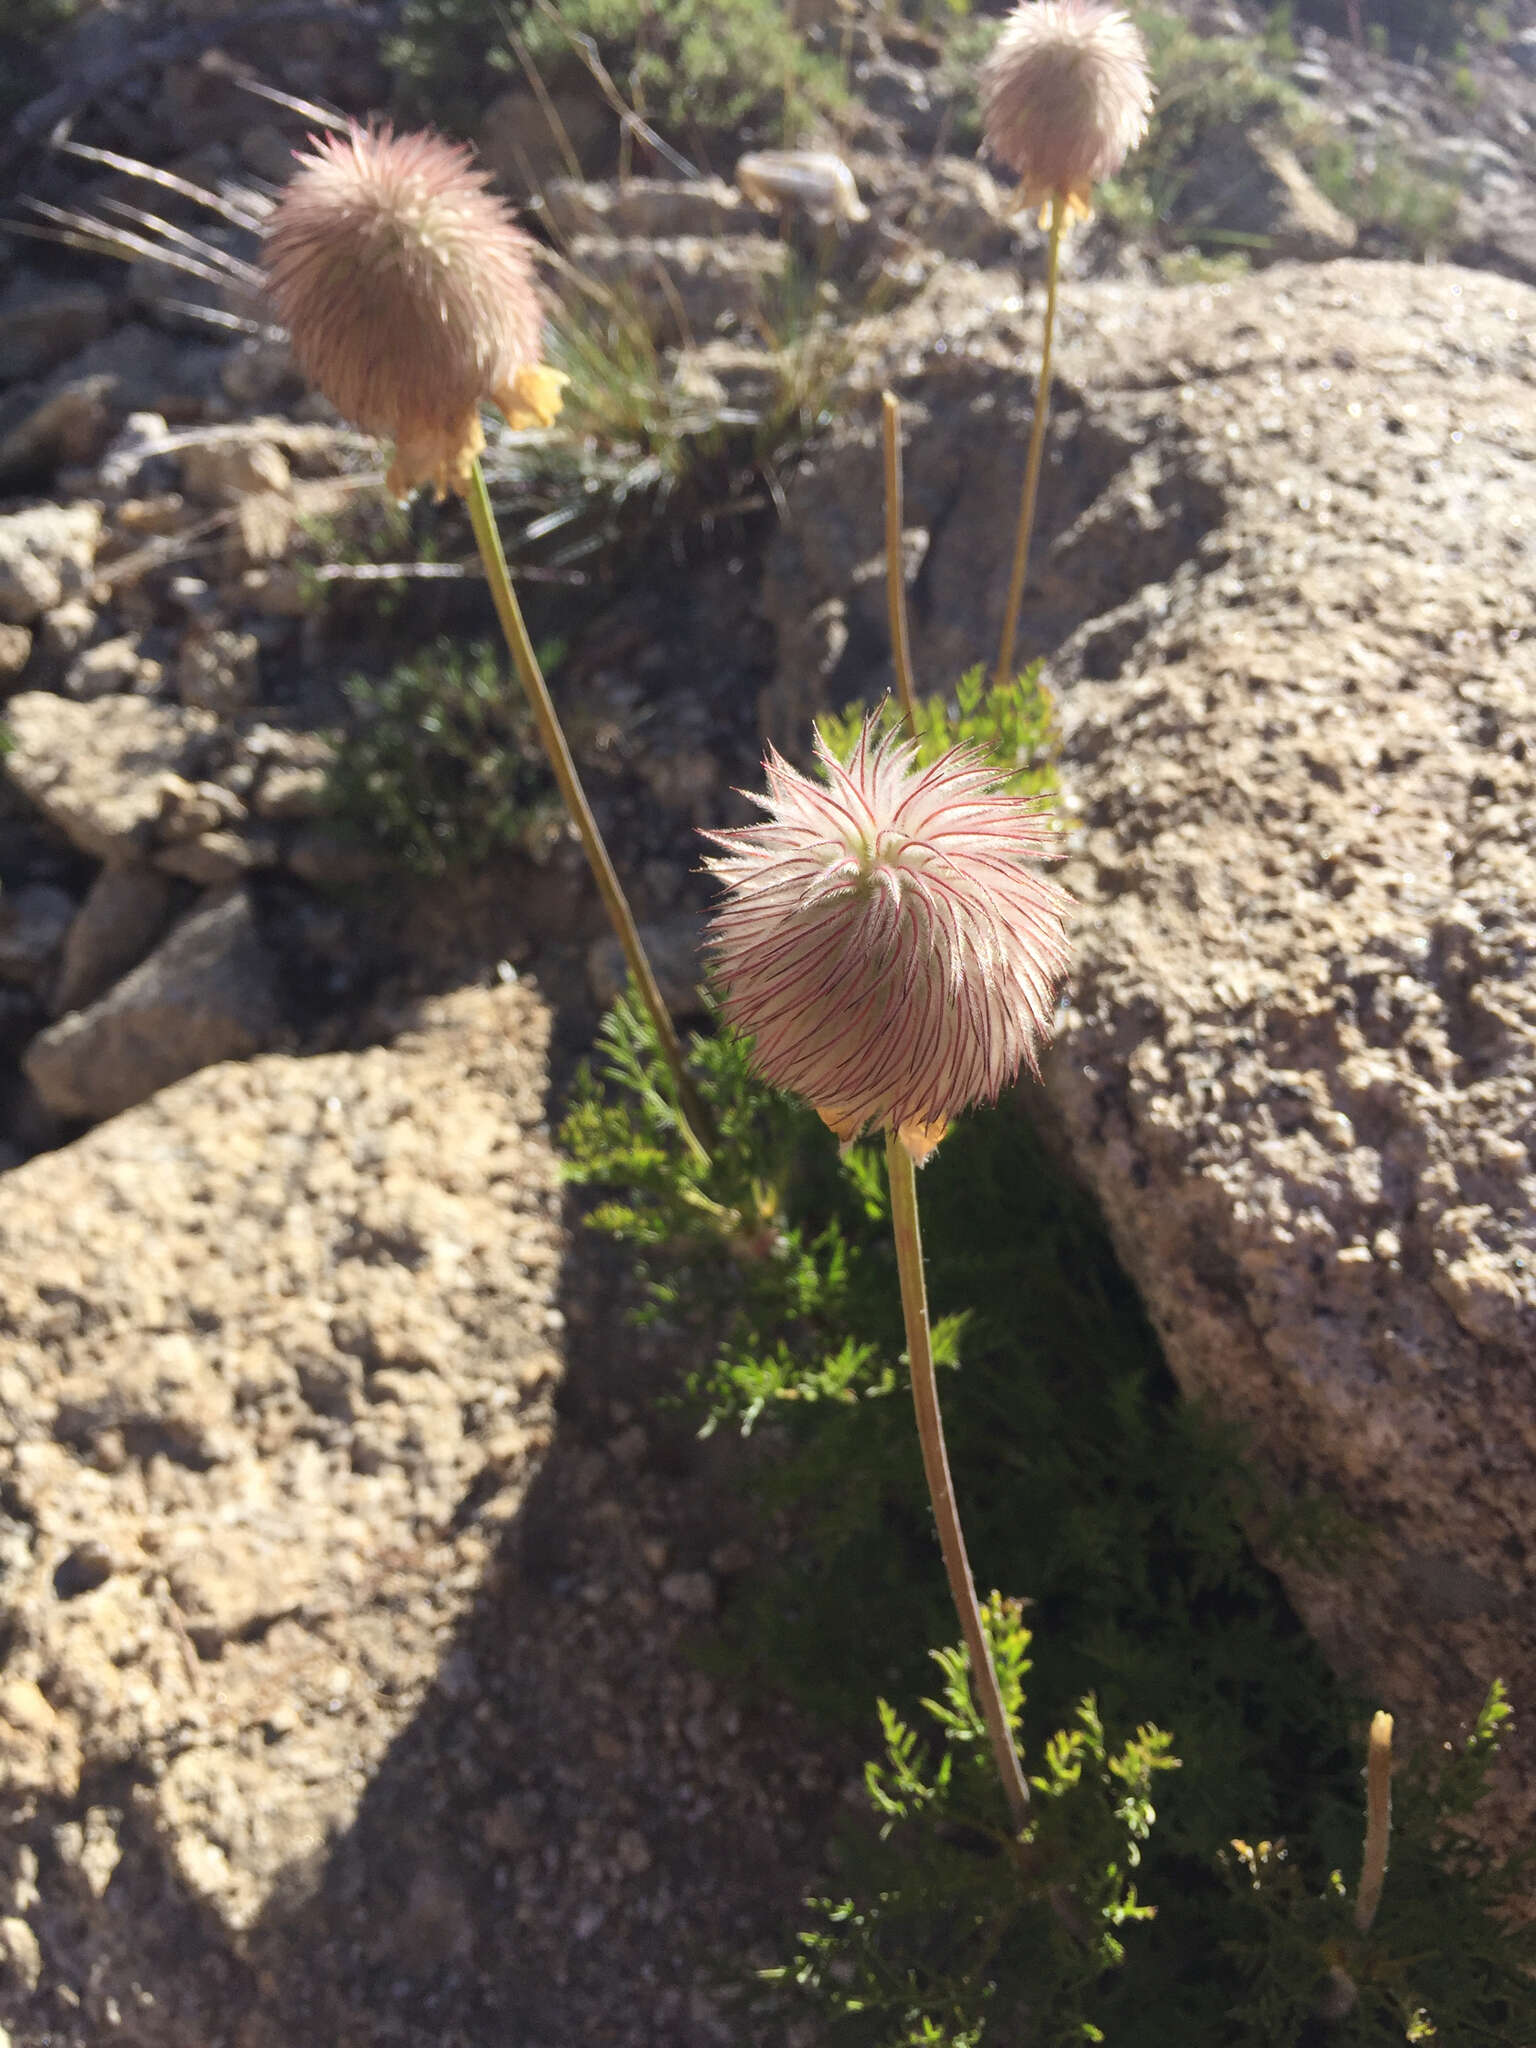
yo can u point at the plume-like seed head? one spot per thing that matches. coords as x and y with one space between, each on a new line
885 939
409 293
1065 97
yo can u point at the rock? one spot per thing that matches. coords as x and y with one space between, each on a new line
33 922
226 469
92 769
61 633
42 322
125 912
45 556
1282 561
73 424
21 1953
15 652
647 208
217 671
39 1751
1247 189
518 147
110 669
260 373
684 286
207 993
215 860
278 1599
675 951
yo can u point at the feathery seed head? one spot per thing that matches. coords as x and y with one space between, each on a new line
1065 97
884 939
408 291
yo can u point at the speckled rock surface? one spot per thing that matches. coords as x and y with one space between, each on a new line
1286 532
263 1336
1300 1063
348 1699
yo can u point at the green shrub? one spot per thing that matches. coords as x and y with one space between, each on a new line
710 71
438 769
1118 1510
1390 199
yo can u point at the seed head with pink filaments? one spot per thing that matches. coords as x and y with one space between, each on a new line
409 294
884 938
1065 97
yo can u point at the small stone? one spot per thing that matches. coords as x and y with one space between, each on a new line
39 1751
90 1848
69 426
92 768
64 631
694 1592
218 671
46 555
224 471
207 993
217 859
109 669
126 909
633 1852
33 923
21 1954
15 651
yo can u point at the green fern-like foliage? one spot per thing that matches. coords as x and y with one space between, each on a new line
1118 1510
1013 723
955 1930
1440 1962
705 73
440 768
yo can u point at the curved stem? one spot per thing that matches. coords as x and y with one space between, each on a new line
510 613
1004 671
895 570
930 1430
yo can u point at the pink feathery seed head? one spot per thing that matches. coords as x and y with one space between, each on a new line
885 939
409 293
1065 97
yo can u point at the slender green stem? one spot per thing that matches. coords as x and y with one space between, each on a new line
510 613
930 1430
1378 1821
1004 671
895 571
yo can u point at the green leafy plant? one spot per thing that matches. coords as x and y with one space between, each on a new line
1014 725
1386 197
952 1928
439 769
703 72
1440 1960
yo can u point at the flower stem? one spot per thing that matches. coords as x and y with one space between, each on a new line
1004 671
1378 1821
895 571
510 613
930 1430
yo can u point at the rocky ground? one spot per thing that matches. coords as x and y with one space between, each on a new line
338 1515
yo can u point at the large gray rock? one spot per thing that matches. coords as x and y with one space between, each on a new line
46 555
207 993
305 1362
1286 535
